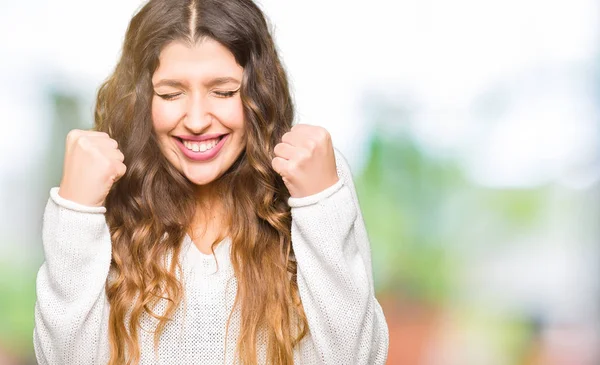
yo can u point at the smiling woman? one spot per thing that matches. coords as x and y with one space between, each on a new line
195 224
197 92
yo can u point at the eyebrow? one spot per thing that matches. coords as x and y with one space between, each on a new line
221 81
211 83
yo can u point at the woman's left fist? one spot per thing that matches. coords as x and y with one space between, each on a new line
305 160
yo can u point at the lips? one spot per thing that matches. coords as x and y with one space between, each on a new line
201 138
183 140
206 155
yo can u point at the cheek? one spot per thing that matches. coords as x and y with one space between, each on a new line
232 115
165 115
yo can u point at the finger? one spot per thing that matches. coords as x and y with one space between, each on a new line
104 141
305 137
121 169
313 133
286 151
307 130
115 154
279 165
92 132
292 138
301 127
97 141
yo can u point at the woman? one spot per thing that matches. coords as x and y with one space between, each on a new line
195 225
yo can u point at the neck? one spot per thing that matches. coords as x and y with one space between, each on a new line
209 210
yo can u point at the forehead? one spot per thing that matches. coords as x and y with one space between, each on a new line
204 60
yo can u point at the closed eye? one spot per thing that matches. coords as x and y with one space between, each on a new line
226 94
168 96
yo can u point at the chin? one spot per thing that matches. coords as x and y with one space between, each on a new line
201 180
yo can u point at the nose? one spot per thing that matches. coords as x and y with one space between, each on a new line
197 118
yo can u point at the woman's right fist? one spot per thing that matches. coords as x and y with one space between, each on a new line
93 163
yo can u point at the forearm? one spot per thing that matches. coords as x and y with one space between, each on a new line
71 312
334 279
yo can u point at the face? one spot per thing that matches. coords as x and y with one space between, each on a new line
197 110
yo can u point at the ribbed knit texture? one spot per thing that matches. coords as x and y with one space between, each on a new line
346 323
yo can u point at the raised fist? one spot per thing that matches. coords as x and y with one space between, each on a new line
305 159
93 163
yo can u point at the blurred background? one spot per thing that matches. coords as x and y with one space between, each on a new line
472 128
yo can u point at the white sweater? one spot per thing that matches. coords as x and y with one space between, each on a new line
346 323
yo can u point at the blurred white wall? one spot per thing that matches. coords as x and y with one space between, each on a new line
537 58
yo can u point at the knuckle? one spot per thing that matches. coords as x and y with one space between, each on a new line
122 169
114 170
292 168
83 142
74 132
323 133
279 167
73 135
106 164
304 156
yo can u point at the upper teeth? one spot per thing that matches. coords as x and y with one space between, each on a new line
201 146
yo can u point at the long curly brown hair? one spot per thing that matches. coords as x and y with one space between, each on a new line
150 208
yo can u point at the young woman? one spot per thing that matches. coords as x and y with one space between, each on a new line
195 224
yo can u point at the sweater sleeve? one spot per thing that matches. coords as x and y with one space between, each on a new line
71 311
335 280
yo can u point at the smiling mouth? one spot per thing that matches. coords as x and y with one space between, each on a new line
201 146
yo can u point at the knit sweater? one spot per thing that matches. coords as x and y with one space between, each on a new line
334 274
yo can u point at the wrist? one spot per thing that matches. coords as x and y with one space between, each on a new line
77 197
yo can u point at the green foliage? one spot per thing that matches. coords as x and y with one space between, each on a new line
17 280
401 191
17 290
423 215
